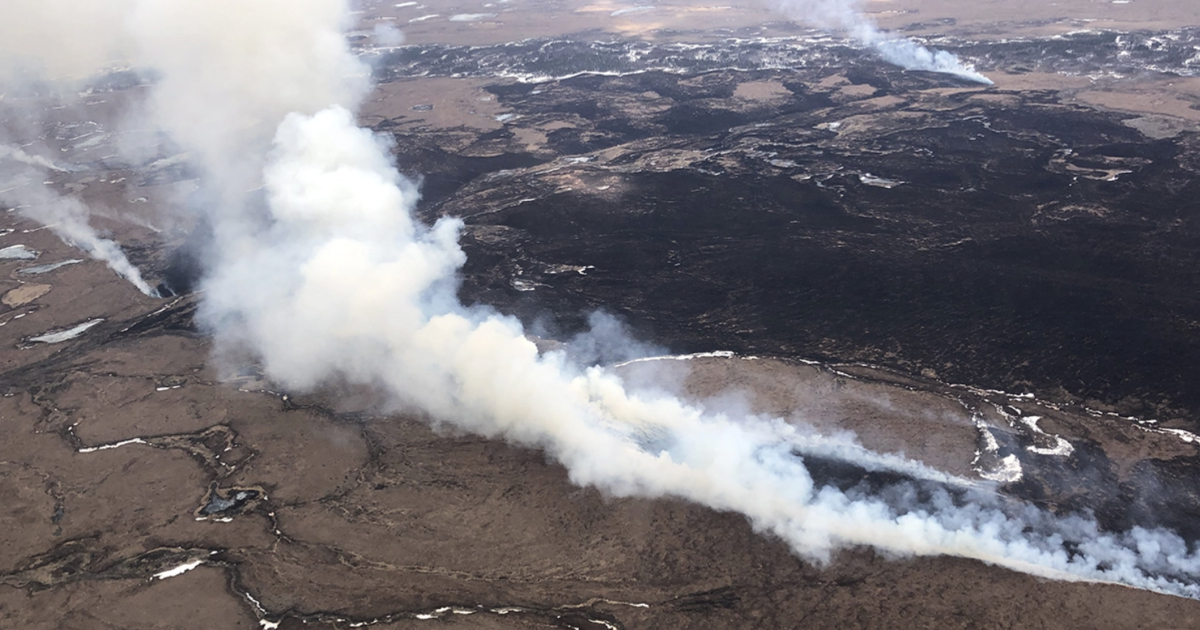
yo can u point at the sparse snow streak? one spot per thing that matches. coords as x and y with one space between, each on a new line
105 447
721 354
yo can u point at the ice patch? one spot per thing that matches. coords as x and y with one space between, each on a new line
631 10
471 17
65 335
39 269
17 252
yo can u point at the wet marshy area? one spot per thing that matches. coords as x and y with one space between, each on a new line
222 504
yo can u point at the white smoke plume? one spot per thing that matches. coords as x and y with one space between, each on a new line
845 15
66 216
19 156
328 277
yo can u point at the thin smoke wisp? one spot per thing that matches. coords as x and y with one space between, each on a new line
845 15
66 216
325 275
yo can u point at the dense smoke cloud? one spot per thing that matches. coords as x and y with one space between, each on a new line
845 15
324 275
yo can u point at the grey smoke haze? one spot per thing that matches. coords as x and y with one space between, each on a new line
845 15
608 340
328 277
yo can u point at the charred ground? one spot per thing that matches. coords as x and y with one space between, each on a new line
999 238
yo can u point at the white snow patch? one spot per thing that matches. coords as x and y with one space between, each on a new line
1009 468
179 570
423 18
1061 446
471 17
523 285
1008 471
878 182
